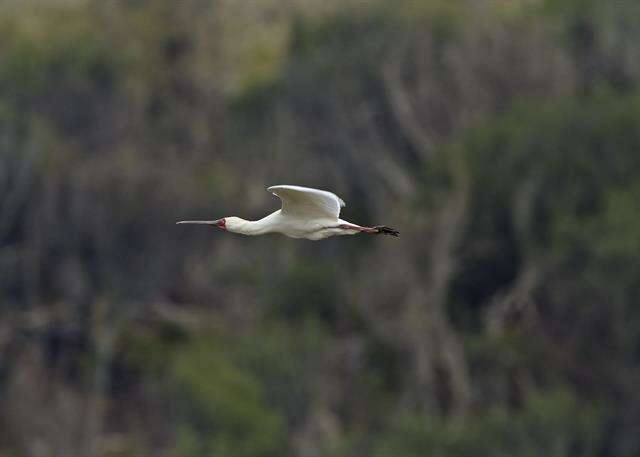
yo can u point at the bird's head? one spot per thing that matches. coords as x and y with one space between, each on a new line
232 223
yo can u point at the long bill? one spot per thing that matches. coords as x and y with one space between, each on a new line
216 222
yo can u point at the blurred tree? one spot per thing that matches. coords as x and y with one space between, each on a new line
502 137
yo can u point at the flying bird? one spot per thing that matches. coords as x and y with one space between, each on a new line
306 213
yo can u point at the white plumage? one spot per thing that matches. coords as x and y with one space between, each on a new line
307 202
306 213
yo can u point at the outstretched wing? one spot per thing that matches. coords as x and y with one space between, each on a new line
306 202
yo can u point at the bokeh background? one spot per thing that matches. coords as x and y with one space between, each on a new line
501 137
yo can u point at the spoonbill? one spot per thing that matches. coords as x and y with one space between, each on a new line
306 213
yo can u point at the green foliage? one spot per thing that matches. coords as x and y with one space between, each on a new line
238 392
227 412
77 59
306 290
285 359
551 423
576 154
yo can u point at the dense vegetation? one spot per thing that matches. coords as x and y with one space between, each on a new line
502 138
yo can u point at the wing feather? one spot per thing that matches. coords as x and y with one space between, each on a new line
307 202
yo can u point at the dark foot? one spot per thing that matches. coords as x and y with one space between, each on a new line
386 230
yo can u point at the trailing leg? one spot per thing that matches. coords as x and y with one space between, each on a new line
377 230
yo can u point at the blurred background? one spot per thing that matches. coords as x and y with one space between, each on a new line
501 137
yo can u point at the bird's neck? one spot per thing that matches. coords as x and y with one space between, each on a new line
245 227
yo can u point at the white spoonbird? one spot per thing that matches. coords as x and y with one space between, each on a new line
306 213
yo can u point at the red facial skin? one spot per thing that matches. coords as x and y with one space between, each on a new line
222 224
